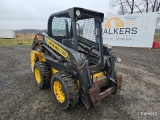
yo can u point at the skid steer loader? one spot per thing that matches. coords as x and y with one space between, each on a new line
71 58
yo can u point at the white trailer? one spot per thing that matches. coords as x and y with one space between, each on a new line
7 34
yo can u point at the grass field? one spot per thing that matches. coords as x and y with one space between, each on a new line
16 41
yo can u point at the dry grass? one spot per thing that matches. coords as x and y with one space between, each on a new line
21 39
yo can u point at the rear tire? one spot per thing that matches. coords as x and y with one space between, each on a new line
65 90
42 74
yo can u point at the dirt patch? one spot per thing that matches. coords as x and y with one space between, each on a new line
20 98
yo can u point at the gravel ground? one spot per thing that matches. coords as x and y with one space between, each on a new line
140 95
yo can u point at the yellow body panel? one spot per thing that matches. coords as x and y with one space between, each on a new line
94 77
54 71
57 48
98 75
34 55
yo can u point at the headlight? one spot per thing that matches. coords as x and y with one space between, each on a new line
78 12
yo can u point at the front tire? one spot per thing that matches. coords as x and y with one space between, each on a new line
42 74
65 90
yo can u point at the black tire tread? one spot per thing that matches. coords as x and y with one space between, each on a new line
45 73
73 92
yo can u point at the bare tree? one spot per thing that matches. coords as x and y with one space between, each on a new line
157 9
155 5
126 6
118 4
122 7
147 6
136 6
131 5
151 5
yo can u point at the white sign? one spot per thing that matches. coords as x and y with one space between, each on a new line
136 30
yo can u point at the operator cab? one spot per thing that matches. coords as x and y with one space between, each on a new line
79 29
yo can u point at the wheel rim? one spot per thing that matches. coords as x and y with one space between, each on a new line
58 91
37 75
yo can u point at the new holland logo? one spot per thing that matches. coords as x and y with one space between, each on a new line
116 25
